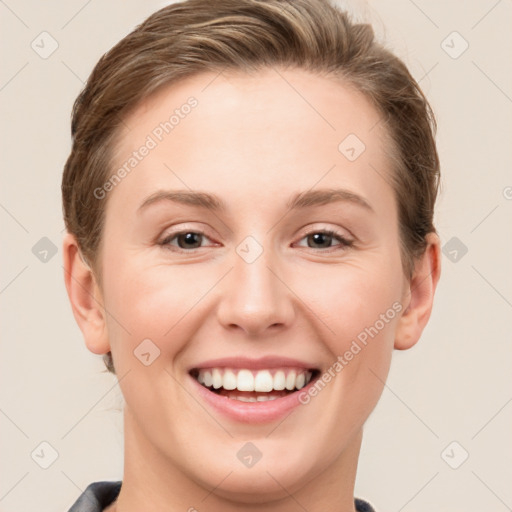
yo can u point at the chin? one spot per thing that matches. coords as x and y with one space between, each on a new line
261 485
264 481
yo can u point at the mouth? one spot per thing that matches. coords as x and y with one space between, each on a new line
250 385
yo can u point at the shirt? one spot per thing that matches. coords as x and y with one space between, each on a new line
99 495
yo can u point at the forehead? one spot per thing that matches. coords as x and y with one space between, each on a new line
274 129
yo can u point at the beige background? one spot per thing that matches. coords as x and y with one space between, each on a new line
453 386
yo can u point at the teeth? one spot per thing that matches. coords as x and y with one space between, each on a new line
300 381
290 380
230 380
263 381
246 398
245 381
279 380
253 398
207 379
216 378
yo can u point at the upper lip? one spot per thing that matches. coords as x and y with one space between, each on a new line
261 363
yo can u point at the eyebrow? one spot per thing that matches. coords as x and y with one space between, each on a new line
298 201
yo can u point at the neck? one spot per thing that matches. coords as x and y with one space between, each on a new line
152 481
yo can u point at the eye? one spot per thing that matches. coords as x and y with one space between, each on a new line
323 238
186 241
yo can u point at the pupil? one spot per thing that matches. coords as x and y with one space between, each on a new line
320 236
189 238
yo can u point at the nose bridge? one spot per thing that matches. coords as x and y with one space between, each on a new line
255 298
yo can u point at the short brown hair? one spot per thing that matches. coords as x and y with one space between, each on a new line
195 36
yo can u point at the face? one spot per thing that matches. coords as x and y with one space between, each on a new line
271 284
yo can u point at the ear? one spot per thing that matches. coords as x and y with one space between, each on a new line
85 297
419 295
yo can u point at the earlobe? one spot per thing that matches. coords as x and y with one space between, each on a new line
85 297
419 297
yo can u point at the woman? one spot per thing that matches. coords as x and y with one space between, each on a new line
249 203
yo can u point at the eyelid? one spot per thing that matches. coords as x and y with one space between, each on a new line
344 241
336 231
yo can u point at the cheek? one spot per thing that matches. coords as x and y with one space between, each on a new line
354 296
358 309
151 304
153 314
159 302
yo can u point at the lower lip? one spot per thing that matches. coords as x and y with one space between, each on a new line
251 412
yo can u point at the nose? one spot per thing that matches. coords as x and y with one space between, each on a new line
256 297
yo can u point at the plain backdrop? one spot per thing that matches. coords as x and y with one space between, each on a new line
439 438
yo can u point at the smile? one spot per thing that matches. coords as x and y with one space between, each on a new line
248 385
253 390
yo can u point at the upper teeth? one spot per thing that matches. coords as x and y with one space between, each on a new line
254 380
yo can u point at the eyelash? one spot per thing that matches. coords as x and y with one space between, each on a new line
344 242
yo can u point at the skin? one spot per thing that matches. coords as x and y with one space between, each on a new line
255 142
